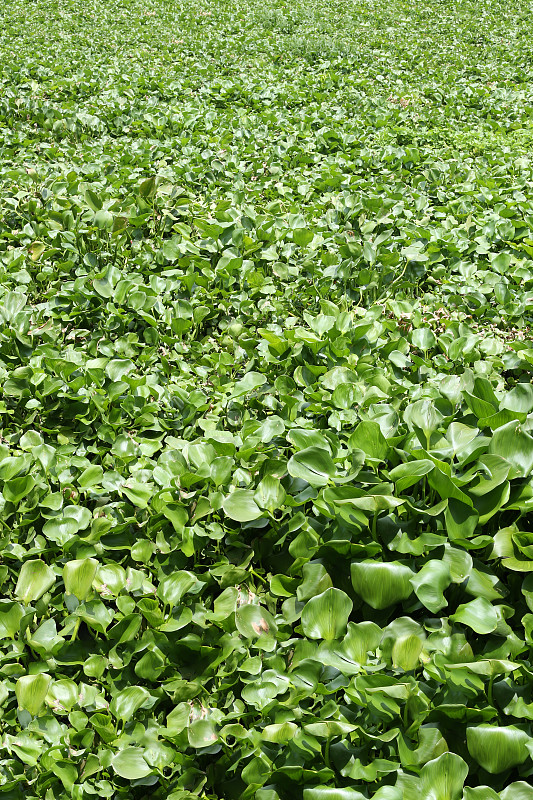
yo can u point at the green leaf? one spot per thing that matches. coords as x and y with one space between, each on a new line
17 489
316 579
250 382
480 793
313 464
423 415
331 793
326 615
78 577
461 519
370 502
148 187
93 201
517 791
9 467
64 692
96 615
519 399
27 749
443 778
430 583
431 744
240 506
459 562
381 584
128 701
406 652
150 666
130 764
202 733
172 587
369 438
460 436
31 691
90 476
497 749
406 475
11 615
270 494
511 443
302 236
389 793
361 638
401 643
279 733
66 771
60 529
446 487
253 621
255 772
478 614
423 338
35 578
137 493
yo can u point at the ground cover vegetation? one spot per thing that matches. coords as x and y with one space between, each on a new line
266 274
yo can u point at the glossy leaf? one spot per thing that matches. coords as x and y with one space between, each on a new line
31 691
266 359
240 505
130 764
331 793
35 578
78 577
381 584
326 615
313 465
515 446
443 778
497 749
252 621
430 583
478 614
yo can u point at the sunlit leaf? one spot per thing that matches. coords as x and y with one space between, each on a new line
35 578
381 584
497 749
326 615
78 577
31 691
130 763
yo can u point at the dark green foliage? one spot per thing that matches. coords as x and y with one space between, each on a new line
266 404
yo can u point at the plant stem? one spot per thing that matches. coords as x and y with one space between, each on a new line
405 716
326 752
265 582
489 690
76 629
375 527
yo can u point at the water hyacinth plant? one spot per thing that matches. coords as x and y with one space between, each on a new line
266 402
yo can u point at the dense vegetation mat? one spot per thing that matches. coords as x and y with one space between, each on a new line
266 455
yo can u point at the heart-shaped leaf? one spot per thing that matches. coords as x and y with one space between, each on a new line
497 749
326 615
78 577
35 578
381 584
240 505
130 764
313 464
31 691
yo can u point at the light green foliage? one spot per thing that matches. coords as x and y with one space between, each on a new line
266 404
